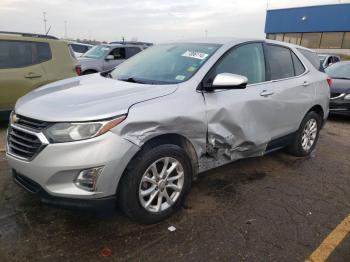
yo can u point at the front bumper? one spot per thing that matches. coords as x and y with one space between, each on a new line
56 167
99 204
340 106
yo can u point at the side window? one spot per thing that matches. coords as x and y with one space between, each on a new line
79 48
247 60
15 54
280 61
118 53
43 52
298 66
133 51
312 57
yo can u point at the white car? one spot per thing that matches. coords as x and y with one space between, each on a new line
79 48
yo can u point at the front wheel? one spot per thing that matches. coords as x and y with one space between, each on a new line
155 183
307 135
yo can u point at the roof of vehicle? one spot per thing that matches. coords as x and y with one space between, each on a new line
28 36
119 45
235 41
132 43
78 43
342 62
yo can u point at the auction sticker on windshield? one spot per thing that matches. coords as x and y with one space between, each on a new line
196 55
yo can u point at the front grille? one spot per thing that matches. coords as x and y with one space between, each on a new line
30 123
23 144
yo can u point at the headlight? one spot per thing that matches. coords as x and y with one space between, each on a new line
347 97
69 132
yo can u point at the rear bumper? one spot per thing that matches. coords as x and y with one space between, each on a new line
97 204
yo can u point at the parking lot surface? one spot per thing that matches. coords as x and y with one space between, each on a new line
273 208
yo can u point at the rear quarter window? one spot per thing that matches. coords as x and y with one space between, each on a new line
312 57
43 52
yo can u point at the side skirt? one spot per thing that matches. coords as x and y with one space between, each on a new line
280 143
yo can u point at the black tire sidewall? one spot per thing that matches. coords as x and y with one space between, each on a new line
128 194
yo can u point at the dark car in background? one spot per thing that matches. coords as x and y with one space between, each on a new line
340 88
328 60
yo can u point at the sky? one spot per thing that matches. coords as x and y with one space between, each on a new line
145 20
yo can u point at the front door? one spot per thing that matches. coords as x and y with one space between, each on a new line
119 57
240 121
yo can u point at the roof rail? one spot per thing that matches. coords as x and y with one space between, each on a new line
29 34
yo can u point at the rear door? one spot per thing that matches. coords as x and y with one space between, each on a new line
119 55
293 89
20 70
241 121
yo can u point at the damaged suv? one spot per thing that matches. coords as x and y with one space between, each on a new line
137 136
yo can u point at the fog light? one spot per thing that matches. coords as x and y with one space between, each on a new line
87 179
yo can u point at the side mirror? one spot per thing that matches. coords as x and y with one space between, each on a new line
109 57
229 81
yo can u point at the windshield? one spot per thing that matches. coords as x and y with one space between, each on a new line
97 51
339 70
165 64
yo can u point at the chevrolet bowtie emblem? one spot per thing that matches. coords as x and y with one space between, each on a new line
14 119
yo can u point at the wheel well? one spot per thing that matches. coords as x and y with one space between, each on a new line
180 141
89 71
319 110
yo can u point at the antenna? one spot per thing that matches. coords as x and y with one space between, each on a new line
48 31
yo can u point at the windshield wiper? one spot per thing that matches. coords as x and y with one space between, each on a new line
131 80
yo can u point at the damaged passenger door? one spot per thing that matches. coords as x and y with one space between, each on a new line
240 121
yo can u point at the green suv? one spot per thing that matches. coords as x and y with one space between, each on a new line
28 61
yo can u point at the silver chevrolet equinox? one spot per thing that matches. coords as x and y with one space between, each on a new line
137 136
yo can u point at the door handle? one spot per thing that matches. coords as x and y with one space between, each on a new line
305 83
32 75
266 93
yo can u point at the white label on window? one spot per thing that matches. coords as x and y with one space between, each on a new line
180 77
196 55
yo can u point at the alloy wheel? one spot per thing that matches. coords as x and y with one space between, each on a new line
161 184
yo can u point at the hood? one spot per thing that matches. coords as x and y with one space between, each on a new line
86 98
340 86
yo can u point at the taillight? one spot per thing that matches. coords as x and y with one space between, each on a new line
78 70
329 81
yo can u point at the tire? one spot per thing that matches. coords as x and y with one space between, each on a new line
141 208
298 147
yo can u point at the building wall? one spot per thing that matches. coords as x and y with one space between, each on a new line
320 27
327 18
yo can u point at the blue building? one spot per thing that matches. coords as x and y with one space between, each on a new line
318 27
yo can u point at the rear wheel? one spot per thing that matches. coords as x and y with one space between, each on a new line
307 135
155 183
